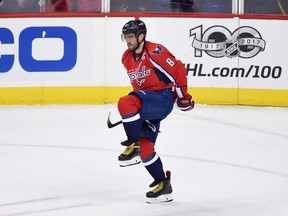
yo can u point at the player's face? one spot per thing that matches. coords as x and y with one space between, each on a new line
131 41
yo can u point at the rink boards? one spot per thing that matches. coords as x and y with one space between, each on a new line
77 60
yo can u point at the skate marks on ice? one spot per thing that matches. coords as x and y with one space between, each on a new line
38 206
29 201
58 147
75 171
203 160
195 204
253 129
256 127
222 163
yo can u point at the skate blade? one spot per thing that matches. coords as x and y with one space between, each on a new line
161 199
133 161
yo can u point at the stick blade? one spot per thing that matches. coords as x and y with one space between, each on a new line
110 124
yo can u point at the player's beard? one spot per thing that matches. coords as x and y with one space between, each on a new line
131 46
134 47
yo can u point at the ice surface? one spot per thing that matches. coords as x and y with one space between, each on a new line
62 161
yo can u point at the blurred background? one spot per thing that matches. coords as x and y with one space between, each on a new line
279 7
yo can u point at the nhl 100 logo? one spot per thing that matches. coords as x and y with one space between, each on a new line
217 41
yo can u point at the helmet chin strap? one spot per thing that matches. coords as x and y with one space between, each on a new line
138 43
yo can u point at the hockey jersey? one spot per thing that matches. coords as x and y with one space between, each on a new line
155 69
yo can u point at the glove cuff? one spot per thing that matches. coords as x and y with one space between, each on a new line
185 107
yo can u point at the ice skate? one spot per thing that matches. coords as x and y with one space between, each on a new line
162 192
131 155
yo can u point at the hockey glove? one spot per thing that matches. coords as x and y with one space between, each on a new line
186 103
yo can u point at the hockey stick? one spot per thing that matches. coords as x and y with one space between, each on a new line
110 124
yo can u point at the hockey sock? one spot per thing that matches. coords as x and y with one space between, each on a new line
153 165
150 159
132 126
129 107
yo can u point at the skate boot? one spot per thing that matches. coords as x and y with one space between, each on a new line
131 155
163 191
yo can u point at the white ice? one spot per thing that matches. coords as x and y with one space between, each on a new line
62 161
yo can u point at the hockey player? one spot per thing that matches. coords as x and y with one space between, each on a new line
158 80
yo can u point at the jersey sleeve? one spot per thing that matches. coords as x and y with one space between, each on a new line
174 69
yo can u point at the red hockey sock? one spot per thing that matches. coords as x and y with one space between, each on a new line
151 160
128 105
146 147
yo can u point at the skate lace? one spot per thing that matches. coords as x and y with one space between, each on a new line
130 149
158 188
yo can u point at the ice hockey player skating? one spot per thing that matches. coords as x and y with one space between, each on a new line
158 80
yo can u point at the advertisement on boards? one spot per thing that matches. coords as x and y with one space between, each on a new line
51 52
226 53
268 68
